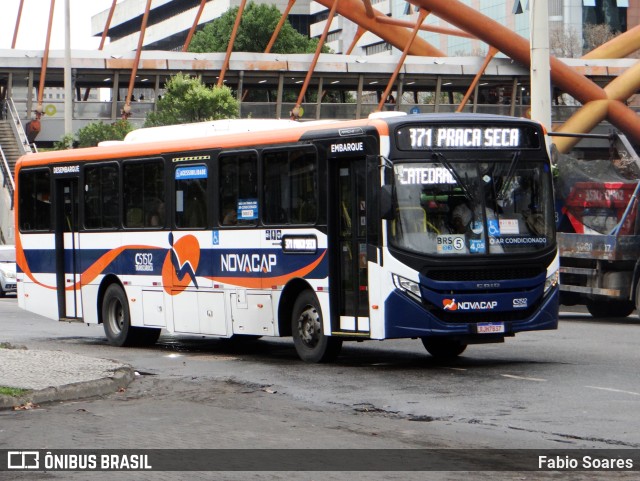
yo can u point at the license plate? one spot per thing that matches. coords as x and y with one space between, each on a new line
490 327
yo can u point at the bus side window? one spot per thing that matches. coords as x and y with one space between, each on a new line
35 206
238 189
101 197
276 187
290 186
304 178
191 196
143 186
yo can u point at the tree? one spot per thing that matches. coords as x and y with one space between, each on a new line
256 27
596 35
92 134
96 132
564 42
187 99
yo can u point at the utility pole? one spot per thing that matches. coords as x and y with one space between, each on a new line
540 75
68 87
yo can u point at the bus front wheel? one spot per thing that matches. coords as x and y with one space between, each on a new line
443 348
117 321
312 345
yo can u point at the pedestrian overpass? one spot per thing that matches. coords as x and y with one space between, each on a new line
267 86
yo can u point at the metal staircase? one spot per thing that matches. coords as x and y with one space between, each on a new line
13 144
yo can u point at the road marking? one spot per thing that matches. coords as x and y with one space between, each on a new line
511 376
614 390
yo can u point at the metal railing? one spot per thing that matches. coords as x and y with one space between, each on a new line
7 178
18 129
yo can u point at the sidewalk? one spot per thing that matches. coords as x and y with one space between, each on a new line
58 376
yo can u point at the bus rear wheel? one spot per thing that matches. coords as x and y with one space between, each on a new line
443 348
312 345
117 321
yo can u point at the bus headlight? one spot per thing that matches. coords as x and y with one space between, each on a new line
407 286
551 281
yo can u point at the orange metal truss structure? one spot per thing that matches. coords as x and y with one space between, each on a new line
598 103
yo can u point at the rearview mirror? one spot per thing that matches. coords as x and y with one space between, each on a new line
386 202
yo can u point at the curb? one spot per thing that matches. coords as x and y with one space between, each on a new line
120 378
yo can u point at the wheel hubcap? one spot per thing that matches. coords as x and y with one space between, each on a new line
116 316
309 327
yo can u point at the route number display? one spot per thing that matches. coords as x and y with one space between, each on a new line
465 137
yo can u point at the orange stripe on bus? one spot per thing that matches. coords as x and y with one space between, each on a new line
87 276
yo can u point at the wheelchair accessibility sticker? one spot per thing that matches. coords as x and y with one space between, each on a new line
494 228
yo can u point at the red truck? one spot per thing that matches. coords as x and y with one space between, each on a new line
599 246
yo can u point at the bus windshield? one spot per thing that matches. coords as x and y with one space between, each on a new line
472 207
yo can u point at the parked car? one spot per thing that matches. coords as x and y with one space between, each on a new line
7 269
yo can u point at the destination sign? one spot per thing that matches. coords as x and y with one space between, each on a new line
299 244
466 137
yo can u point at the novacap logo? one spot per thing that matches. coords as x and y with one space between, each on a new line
452 305
180 264
449 304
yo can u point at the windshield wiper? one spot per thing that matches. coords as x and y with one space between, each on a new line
444 161
510 174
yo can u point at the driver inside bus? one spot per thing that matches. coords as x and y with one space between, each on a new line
467 218
465 215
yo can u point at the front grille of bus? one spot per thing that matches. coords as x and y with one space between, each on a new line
454 317
491 274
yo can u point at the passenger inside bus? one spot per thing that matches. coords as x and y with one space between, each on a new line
156 216
230 215
195 212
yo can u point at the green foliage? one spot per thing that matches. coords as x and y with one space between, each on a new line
12 391
66 142
256 27
92 134
187 99
120 129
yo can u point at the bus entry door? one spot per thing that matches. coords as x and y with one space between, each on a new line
349 265
67 249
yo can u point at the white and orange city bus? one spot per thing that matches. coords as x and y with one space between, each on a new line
438 227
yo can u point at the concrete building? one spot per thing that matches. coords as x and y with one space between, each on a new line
567 19
170 21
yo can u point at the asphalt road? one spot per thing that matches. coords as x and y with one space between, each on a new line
578 387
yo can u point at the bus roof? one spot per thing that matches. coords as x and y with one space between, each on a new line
180 139
213 128
231 133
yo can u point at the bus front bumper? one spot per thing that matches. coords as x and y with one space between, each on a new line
405 318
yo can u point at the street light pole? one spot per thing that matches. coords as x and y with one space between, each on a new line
540 73
68 87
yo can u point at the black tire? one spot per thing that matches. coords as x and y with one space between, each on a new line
116 321
610 308
312 345
570 298
145 336
443 348
2 293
